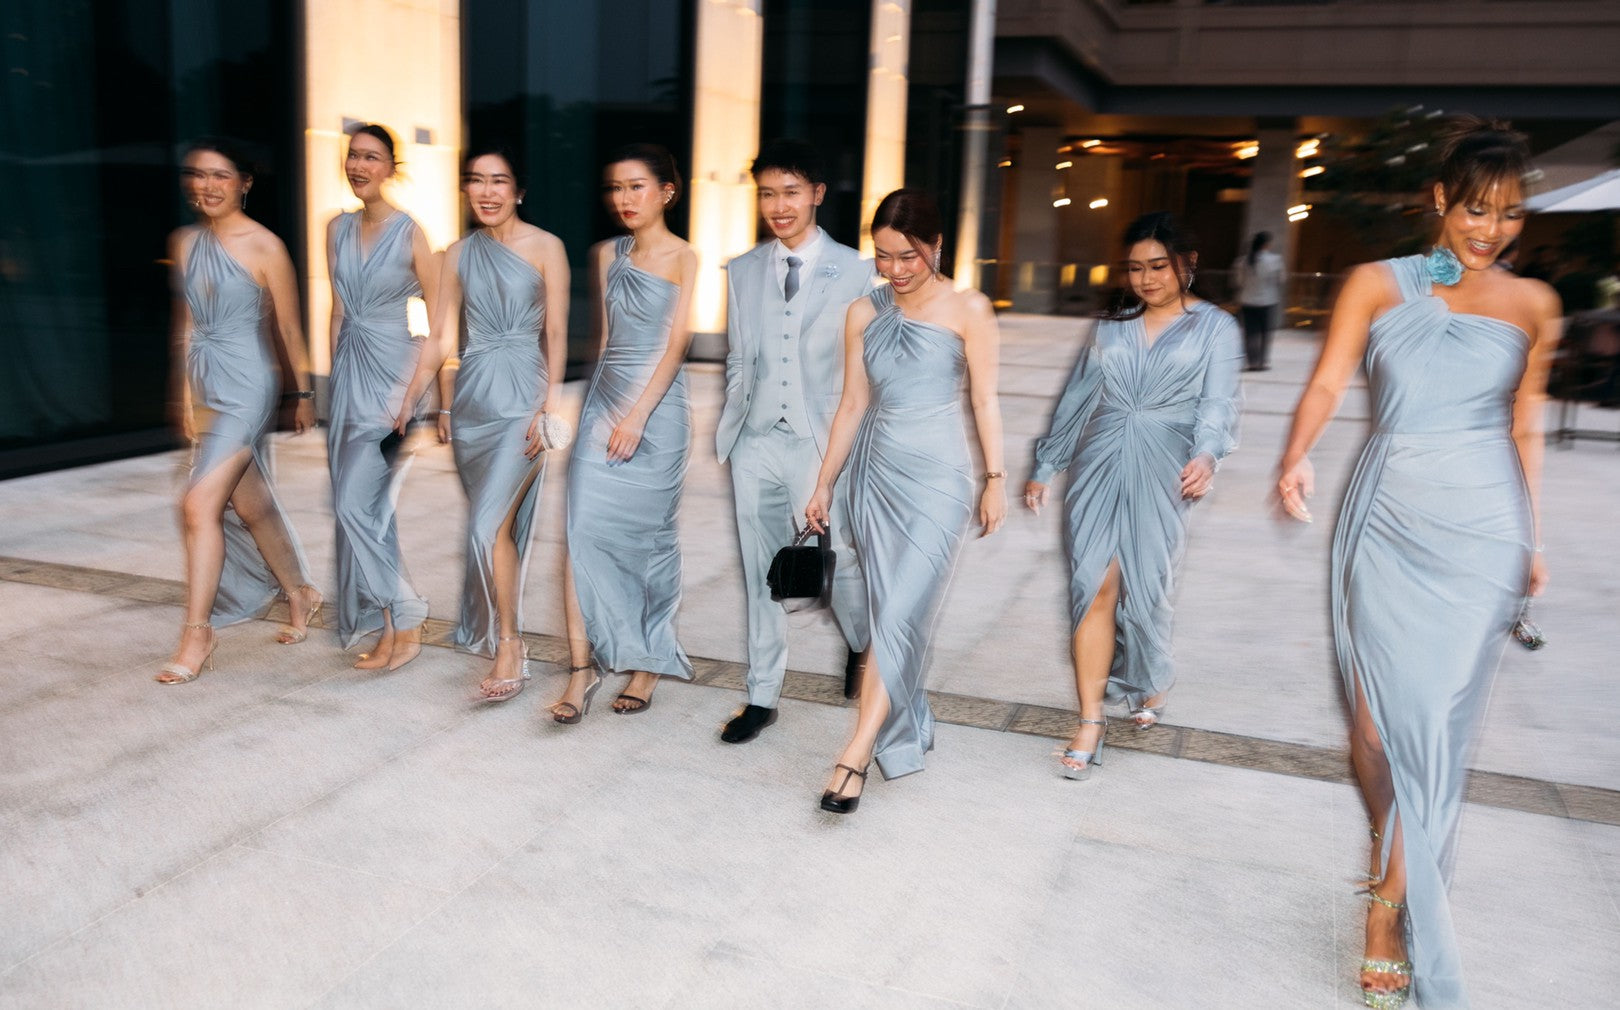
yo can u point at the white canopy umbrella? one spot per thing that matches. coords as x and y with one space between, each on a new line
1601 192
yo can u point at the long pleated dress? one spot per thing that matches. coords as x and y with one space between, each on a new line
499 389
1130 418
1431 558
622 542
371 369
910 500
234 378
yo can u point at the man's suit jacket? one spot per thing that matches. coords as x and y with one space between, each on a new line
840 276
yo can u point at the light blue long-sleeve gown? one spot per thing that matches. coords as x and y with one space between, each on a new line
622 541
910 499
1431 558
1130 418
500 387
234 379
371 369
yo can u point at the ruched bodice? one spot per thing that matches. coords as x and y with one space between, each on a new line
375 354
229 361
500 387
1431 558
234 379
371 368
622 541
504 311
1431 370
910 499
1131 417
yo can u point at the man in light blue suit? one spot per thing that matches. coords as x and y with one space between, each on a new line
784 375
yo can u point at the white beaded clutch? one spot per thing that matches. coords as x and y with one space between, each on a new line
555 432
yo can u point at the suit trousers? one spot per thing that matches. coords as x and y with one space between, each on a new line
773 475
1257 334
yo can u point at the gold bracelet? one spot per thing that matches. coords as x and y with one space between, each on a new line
993 474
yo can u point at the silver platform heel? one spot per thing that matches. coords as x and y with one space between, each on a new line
1087 759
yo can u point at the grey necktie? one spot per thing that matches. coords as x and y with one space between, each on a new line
790 286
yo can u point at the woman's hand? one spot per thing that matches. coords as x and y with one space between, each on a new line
444 427
626 438
1034 496
304 416
993 506
1538 574
1297 483
185 421
815 513
536 445
1197 477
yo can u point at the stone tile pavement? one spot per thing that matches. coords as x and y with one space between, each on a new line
288 832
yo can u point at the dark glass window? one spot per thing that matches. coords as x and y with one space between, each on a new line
564 85
98 98
935 105
814 89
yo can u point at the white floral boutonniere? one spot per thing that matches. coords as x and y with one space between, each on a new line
830 271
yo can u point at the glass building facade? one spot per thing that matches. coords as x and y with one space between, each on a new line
563 85
99 97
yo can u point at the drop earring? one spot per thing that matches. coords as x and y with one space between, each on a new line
244 199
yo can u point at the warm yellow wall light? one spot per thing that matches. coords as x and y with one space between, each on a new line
415 92
887 82
725 138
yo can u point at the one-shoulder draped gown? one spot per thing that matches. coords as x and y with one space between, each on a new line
910 498
371 369
1431 559
500 387
622 540
234 379
1132 415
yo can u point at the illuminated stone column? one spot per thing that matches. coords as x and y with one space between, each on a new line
725 138
1274 187
975 142
885 109
394 62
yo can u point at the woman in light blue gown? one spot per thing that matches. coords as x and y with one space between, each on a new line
911 495
1149 412
635 432
232 277
508 280
379 259
1435 548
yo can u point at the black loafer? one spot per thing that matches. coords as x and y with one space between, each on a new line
745 725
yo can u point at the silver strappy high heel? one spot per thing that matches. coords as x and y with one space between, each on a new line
175 673
1394 999
506 688
1087 758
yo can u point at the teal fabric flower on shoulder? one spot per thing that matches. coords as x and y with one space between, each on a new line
1443 266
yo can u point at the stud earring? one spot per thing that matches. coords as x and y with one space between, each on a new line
520 201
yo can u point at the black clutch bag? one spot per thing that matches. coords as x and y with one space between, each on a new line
803 572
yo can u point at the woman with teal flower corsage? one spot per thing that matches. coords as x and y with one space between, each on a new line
1435 548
